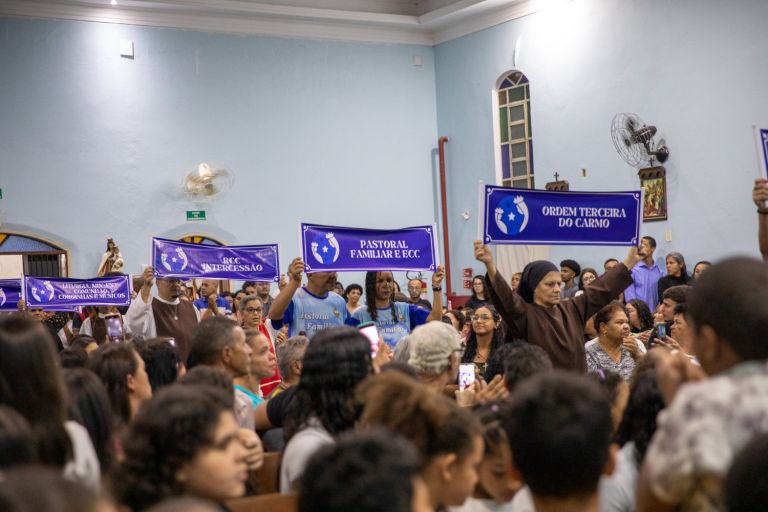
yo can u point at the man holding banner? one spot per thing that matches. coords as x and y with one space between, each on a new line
308 309
165 315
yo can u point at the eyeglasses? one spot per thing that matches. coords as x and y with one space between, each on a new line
254 310
484 318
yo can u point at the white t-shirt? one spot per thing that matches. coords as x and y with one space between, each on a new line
84 466
298 451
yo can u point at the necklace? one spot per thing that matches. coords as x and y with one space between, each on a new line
175 308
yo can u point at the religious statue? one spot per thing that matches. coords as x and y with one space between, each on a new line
112 261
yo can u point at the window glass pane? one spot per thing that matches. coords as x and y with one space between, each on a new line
503 124
506 183
528 124
505 161
502 98
517 113
517 132
520 168
522 183
516 94
518 150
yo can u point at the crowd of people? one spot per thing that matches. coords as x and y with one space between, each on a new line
635 388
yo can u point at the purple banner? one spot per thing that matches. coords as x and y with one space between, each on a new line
522 216
247 262
334 248
61 294
10 293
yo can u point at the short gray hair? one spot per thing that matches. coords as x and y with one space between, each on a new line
246 300
432 345
289 351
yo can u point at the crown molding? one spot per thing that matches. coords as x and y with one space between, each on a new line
245 17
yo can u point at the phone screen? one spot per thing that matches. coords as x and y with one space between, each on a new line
466 375
114 328
370 331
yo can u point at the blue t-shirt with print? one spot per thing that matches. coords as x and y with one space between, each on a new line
408 317
221 302
309 313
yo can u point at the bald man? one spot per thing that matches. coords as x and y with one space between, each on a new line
210 304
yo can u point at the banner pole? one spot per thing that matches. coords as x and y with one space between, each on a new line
480 210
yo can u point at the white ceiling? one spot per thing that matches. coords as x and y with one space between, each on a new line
424 22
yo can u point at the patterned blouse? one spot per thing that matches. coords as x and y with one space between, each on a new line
597 359
700 432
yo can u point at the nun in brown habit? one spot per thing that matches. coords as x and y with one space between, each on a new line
536 314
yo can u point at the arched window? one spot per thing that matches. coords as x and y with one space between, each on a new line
30 255
514 145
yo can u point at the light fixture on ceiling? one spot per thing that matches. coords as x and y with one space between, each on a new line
112 2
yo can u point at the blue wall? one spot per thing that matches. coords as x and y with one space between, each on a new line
697 70
94 145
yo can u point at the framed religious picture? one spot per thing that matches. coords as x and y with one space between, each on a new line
653 181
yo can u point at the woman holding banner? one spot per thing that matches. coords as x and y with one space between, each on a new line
536 314
396 319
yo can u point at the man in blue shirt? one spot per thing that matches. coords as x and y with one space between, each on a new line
646 275
210 304
309 309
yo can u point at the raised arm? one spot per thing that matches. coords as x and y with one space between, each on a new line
509 304
609 286
437 294
760 197
283 299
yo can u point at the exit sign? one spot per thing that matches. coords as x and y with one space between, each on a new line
193 215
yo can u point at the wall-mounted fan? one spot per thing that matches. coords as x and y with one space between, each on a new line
634 141
207 184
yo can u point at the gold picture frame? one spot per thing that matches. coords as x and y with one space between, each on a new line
653 181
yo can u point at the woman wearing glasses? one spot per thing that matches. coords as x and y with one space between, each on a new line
484 339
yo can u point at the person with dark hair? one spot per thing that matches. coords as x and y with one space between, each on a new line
484 340
184 441
17 444
615 349
645 276
38 488
746 485
73 357
89 406
640 318
396 319
457 319
514 281
495 364
186 504
85 342
352 296
522 361
536 314
479 294
680 336
336 360
415 294
609 264
559 428
161 361
165 316
677 274
123 373
221 343
310 309
586 277
617 491
699 269
251 317
673 296
236 298
262 366
369 471
708 422
209 376
262 291
616 390
31 383
447 437
497 484
569 269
